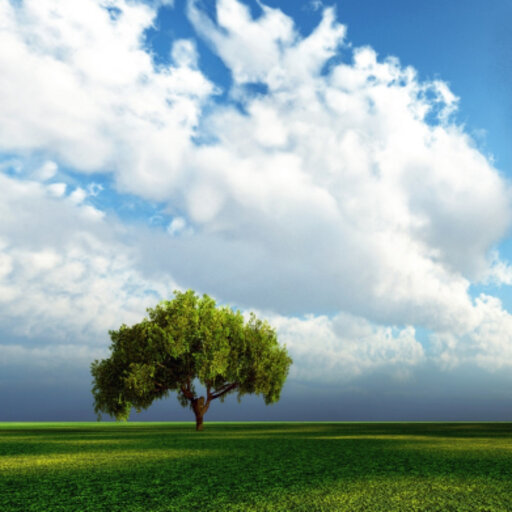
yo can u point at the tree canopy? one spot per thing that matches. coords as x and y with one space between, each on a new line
182 342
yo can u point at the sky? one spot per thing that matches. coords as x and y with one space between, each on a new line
342 169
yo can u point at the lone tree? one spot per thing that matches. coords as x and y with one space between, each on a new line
185 340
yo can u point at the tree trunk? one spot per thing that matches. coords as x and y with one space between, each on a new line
199 421
199 408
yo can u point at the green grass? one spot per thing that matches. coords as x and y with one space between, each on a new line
255 467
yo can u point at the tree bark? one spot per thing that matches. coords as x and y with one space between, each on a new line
199 405
199 409
199 422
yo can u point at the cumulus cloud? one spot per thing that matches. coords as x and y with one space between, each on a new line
88 91
345 186
346 346
349 176
268 50
486 341
46 171
67 277
498 272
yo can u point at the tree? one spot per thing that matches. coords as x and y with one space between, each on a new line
186 340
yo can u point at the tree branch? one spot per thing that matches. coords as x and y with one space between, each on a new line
223 390
223 387
186 392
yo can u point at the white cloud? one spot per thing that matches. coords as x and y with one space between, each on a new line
57 189
78 195
93 189
47 171
346 188
257 50
488 342
68 276
341 348
498 272
315 5
89 95
268 50
177 226
184 53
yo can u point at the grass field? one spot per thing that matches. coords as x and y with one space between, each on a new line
255 467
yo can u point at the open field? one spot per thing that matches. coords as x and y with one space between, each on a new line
255 466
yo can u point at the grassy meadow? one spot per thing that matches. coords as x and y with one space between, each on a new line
255 467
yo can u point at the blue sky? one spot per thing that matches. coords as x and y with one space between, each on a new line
343 169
